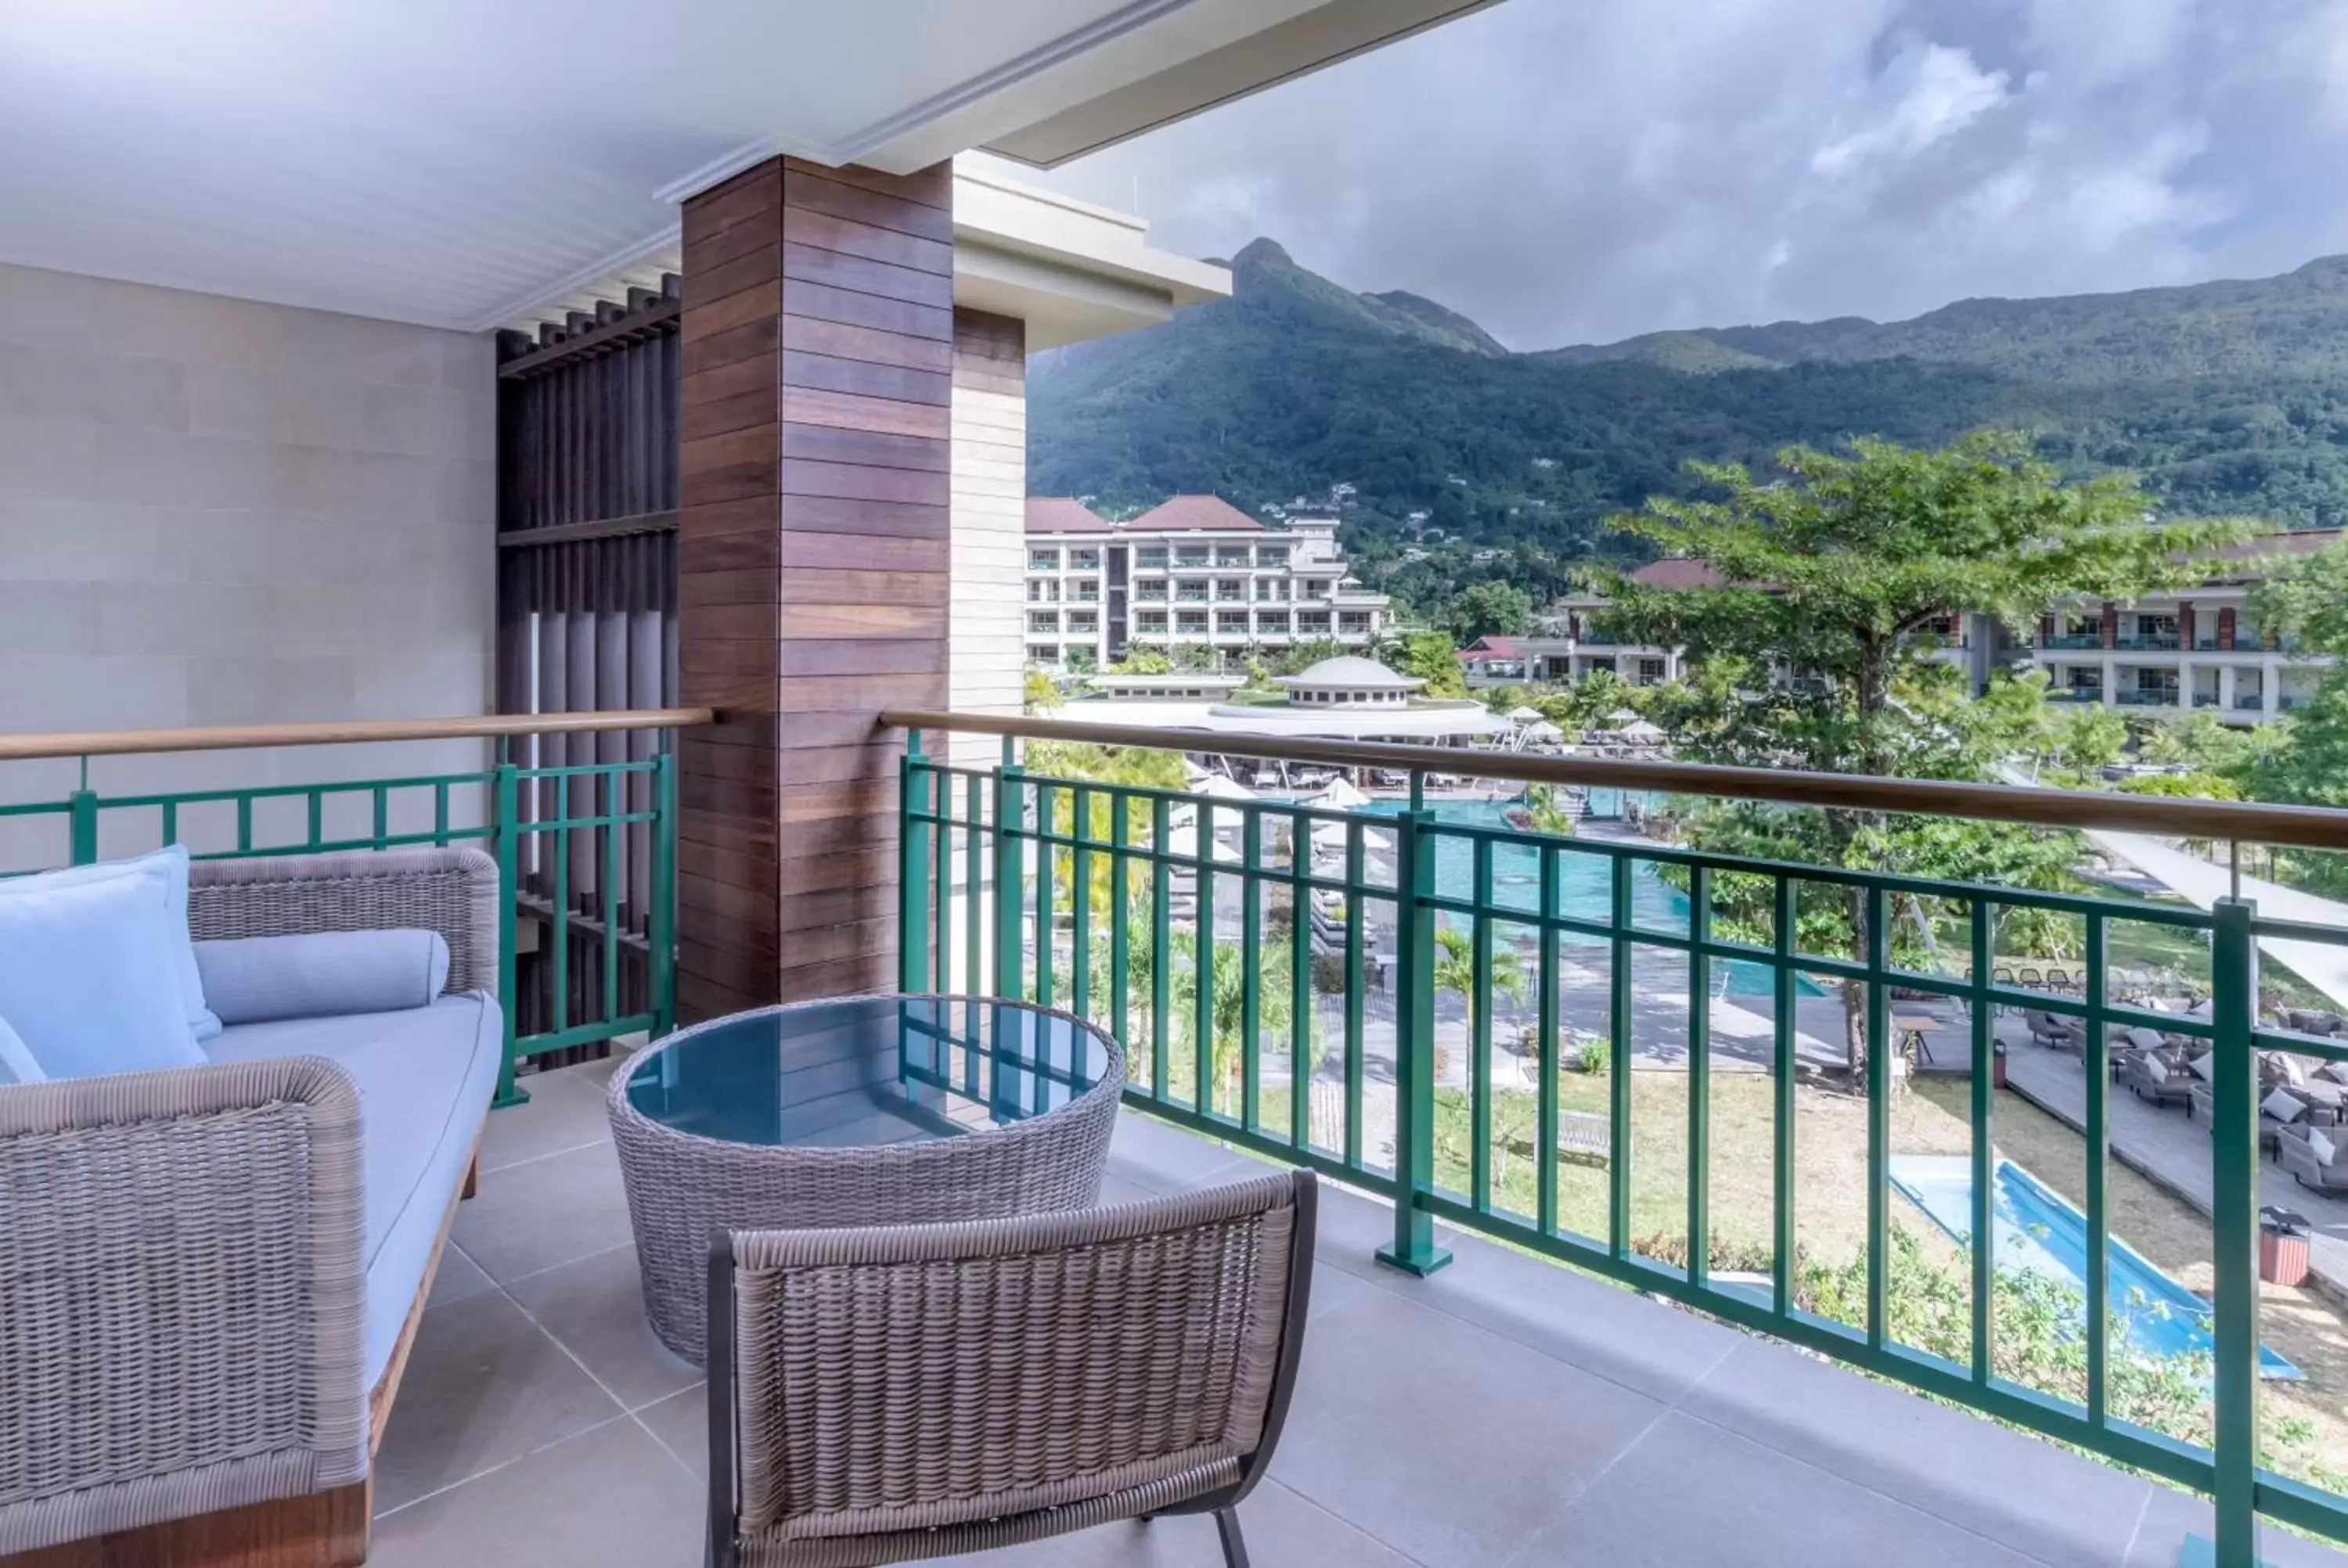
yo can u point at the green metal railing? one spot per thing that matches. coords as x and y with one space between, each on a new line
1094 895
539 823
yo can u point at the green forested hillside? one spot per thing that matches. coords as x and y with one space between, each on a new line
2296 324
2226 397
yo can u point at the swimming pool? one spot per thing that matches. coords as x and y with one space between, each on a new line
1585 885
2037 1230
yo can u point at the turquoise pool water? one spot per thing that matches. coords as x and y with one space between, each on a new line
2036 1230
1585 885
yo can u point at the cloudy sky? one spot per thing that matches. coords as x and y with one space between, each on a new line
1579 170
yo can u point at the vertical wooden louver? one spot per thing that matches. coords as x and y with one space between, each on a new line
587 600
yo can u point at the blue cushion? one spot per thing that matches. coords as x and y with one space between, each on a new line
171 863
425 1079
88 976
17 1063
319 974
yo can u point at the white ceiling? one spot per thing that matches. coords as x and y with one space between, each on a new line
456 162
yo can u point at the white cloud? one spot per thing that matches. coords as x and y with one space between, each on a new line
1942 93
1573 169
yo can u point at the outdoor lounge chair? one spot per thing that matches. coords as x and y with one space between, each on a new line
894 1393
2157 1073
2052 1031
2296 1151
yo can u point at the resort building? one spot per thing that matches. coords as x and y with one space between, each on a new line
2193 649
2181 650
1194 573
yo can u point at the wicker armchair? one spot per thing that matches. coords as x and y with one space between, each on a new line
2173 1086
182 1263
2296 1153
918 1391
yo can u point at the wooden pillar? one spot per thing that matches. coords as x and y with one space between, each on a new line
812 542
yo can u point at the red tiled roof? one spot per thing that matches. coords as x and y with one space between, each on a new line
1673 575
1491 648
1194 512
1062 515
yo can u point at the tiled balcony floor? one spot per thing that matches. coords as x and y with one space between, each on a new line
1506 1412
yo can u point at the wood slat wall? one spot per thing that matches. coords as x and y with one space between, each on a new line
587 435
814 522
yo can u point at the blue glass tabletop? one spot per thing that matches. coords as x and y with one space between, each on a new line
864 1071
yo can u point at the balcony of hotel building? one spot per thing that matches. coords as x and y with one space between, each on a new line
508 725
2193 649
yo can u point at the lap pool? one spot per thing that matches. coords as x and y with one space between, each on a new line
2036 1231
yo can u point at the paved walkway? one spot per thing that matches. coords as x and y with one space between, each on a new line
1506 1412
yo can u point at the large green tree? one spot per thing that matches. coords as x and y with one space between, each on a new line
1488 610
1834 577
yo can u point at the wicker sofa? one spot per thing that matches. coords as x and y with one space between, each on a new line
212 1273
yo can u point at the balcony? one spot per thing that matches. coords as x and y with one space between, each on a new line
2075 693
1191 559
2205 698
1150 594
2146 697
1427 1089
540 1424
1150 561
1192 626
1190 596
2147 641
2072 639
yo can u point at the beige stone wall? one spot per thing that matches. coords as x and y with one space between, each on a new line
214 511
989 559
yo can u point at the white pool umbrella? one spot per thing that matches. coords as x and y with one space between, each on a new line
1544 731
1525 714
1184 841
1329 838
1641 733
1215 786
1621 716
1341 795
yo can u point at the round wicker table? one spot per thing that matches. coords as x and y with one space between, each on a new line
864 1111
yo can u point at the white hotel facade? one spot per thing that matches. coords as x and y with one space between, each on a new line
1195 572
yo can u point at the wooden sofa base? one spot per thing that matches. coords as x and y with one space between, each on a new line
322 1530
317 1529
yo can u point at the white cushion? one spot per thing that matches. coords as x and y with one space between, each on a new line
89 977
2156 1069
425 1078
2283 1107
171 863
2143 1037
17 1063
2202 1068
2320 1144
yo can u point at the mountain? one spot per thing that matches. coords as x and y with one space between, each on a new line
2296 324
2228 397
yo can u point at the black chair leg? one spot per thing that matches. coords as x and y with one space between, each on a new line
1226 1525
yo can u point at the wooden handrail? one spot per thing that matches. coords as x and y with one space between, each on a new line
2310 827
237 737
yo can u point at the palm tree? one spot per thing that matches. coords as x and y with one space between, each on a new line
1455 970
1228 1005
